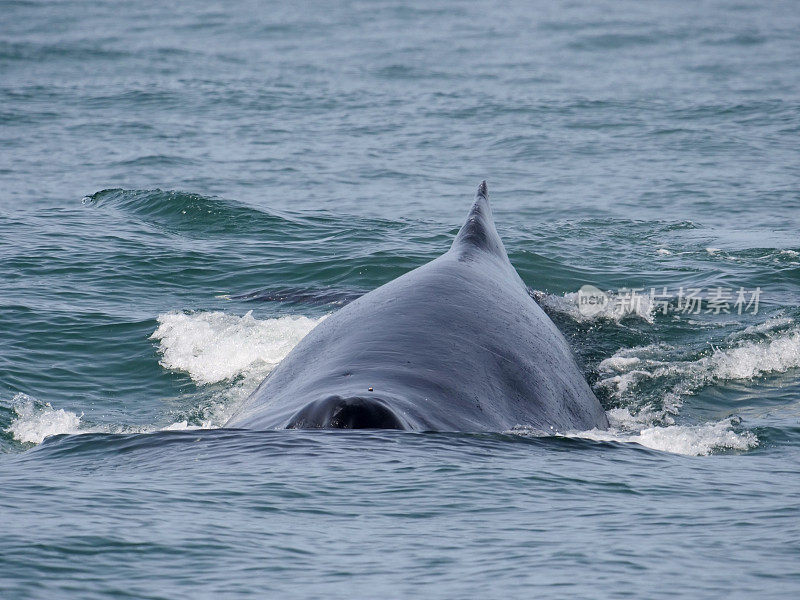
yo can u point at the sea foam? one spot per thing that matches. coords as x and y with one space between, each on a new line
36 421
215 346
747 359
693 440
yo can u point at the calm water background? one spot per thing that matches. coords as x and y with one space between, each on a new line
186 190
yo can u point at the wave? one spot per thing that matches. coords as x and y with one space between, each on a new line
644 429
157 160
228 355
35 421
692 440
236 352
184 212
659 365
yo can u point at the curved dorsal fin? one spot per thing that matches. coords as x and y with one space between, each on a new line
479 232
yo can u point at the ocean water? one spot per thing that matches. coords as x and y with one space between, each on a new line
186 189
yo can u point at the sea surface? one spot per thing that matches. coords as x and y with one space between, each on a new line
188 188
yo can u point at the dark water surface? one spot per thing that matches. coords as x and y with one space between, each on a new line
185 191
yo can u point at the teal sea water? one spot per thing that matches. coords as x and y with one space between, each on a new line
186 190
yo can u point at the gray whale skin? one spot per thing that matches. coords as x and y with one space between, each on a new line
454 345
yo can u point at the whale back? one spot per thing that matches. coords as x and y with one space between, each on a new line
454 345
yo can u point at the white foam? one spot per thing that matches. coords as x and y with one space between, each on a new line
693 440
36 421
183 426
618 363
216 346
776 352
754 359
747 360
644 429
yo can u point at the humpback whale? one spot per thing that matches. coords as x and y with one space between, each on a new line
457 344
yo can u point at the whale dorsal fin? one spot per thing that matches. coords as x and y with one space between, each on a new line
479 232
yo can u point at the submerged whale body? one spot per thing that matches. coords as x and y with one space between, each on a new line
454 345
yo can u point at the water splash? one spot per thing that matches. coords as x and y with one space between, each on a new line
215 346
